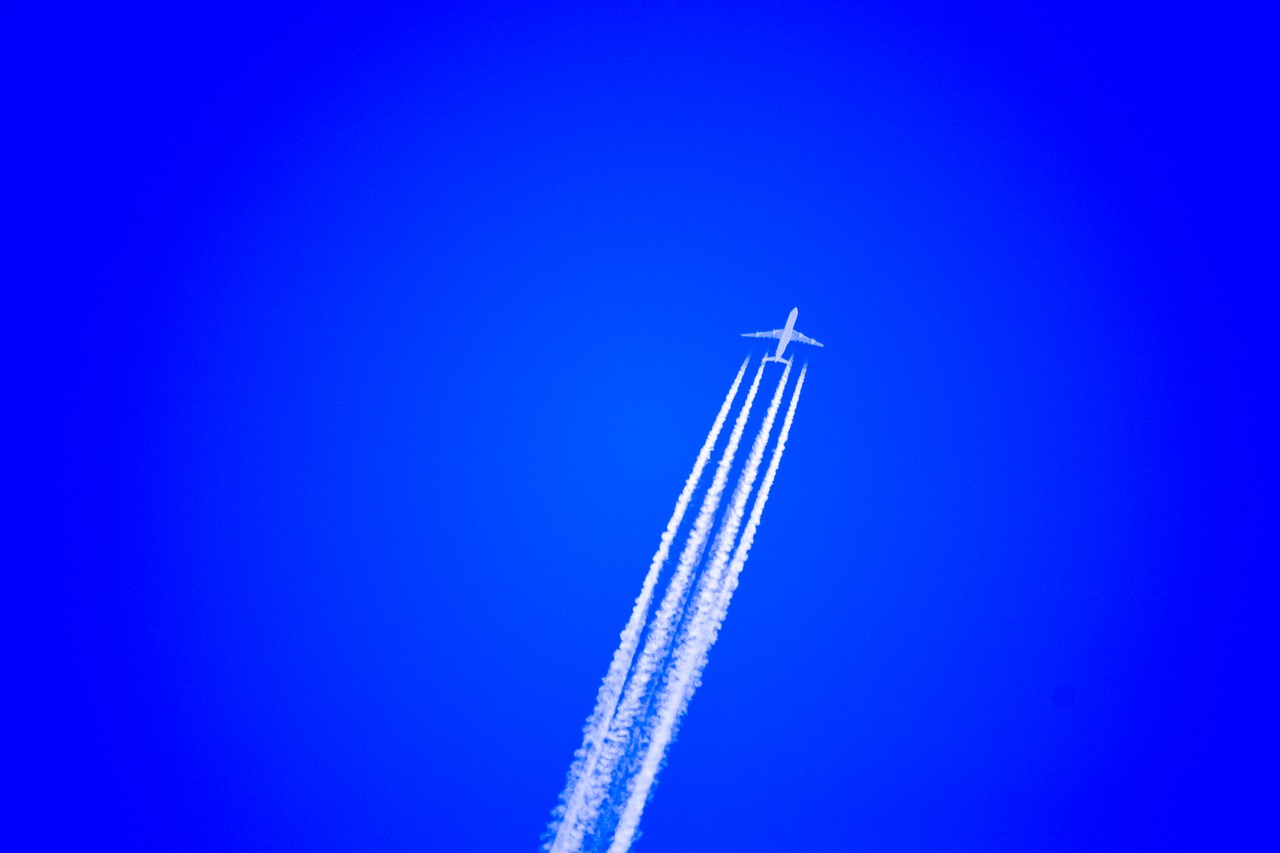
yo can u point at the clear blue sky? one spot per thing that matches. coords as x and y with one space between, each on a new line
359 356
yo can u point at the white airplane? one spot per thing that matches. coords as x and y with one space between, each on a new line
785 335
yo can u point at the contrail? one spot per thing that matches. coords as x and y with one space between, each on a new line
689 646
709 583
658 641
687 673
596 759
611 688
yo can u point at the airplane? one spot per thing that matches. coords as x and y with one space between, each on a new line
785 335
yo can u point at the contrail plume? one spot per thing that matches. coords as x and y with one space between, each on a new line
609 726
743 550
686 675
709 583
611 688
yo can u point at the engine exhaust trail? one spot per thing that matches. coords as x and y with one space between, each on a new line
610 730
686 673
710 582
611 688
712 576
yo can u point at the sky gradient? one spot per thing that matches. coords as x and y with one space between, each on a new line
357 359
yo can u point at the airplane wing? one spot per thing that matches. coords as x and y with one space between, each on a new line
776 333
804 339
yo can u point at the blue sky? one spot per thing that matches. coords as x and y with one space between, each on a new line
360 356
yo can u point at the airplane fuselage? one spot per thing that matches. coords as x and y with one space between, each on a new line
785 337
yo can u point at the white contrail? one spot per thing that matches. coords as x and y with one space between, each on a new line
685 657
710 582
610 730
679 688
611 688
